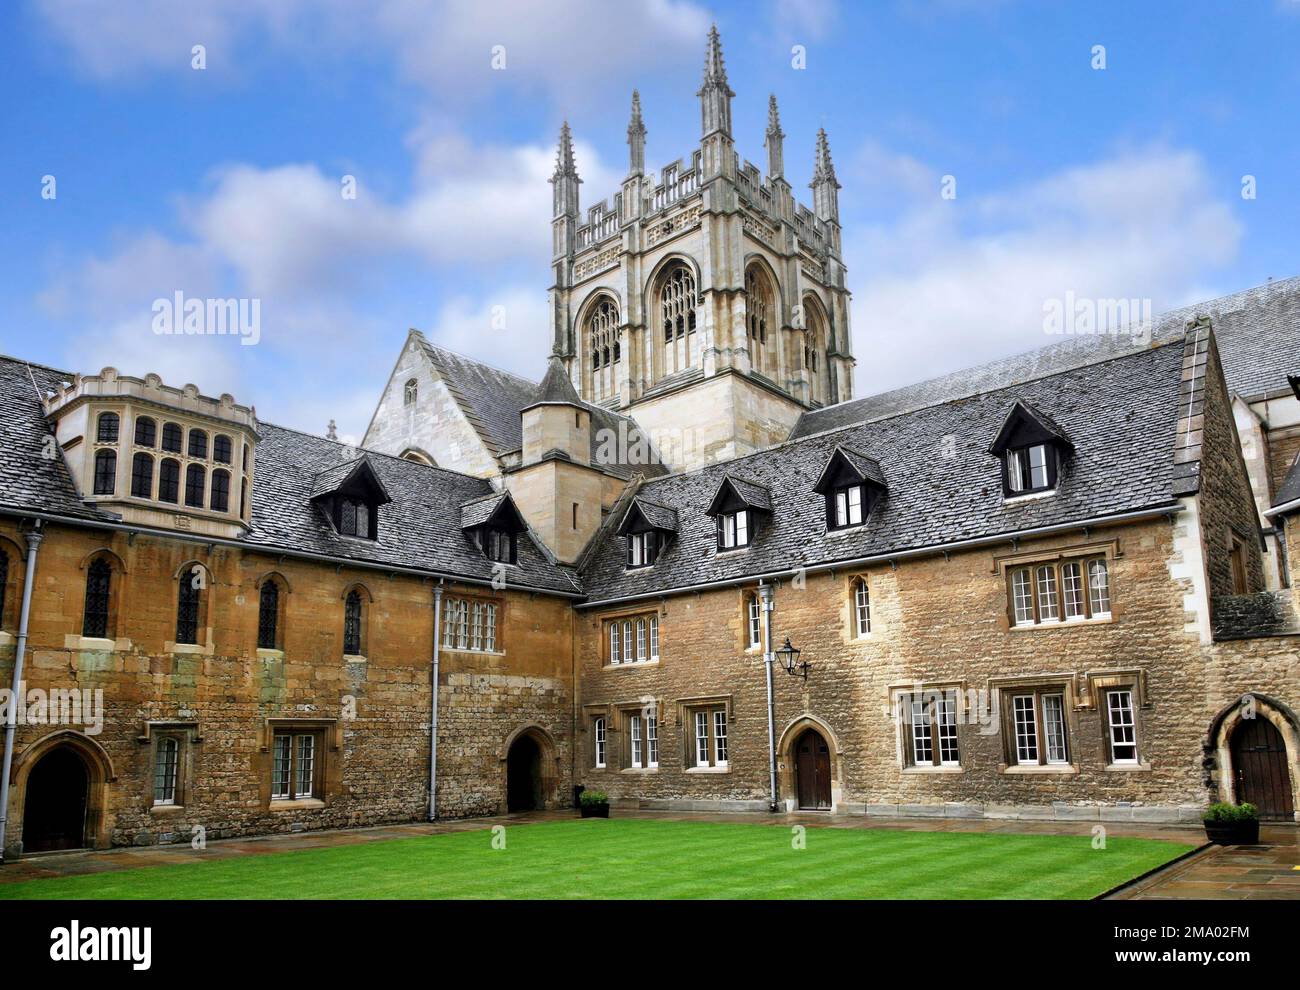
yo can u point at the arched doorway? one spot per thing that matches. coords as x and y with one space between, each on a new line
1259 766
524 775
812 771
54 808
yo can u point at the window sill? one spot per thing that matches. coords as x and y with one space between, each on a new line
265 654
637 770
192 649
708 769
631 665
166 810
352 658
727 551
1104 619
839 530
473 653
1028 496
94 643
297 804
933 769
1128 767
1050 769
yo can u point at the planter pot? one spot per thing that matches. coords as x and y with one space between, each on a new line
595 811
1233 833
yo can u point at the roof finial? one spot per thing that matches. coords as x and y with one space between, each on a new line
636 138
714 69
564 154
823 167
332 432
774 141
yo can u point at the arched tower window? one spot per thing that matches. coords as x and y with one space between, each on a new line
601 336
761 321
675 302
814 351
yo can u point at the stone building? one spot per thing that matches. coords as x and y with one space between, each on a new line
687 568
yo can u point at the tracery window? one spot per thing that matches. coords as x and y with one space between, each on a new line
760 307
676 307
602 335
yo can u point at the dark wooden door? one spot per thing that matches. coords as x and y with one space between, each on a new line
813 771
54 810
523 769
1259 762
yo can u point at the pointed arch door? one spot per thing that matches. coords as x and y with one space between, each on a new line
1259 765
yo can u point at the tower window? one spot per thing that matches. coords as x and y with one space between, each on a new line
169 481
677 302
171 438
105 472
142 475
106 428
146 432
198 443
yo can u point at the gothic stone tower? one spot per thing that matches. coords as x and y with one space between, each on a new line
705 303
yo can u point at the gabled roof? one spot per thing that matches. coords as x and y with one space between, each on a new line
493 402
493 510
856 465
356 477
1021 413
643 514
1257 331
934 499
737 493
419 528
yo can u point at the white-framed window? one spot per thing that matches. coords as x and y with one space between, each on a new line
652 740
1122 725
710 737
733 530
634 639
931 729
754 622
1040 727
654 637
628 647
642 549
469 625
1049 593
1028 469
615 650
861 606
293 765
848 506
640 639
166 770
634 737
922 750
600 734
946 723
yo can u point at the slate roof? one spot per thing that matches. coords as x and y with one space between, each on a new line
754 496
1257 331
658 516
493 400
479 511
1289 490
944 486
331 479
418 529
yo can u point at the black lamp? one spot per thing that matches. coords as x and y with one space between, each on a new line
789 659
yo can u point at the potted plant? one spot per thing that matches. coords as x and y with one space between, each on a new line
1232 824
594 804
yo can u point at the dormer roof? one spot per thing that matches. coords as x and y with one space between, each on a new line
556 388
735 493
1024 424
846 466
497 511
643 515
355 478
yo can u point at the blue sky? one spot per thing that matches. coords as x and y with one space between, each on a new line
1119 182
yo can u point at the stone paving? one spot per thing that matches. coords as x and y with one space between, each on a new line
1266 871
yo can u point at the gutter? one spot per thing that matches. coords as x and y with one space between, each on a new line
34 538
433 705
1171 509
1283 509
273 551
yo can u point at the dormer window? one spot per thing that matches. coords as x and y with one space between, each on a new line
642 549
1030 469
733 530
353 518
498 544
852 484
646 529
1030 447
848 508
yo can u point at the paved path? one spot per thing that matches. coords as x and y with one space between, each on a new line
1263 871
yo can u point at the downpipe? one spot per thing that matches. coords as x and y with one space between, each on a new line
433 715
769 660
34 538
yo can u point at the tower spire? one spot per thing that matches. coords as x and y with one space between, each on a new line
636 138
565 178
715 95
774 141
824 184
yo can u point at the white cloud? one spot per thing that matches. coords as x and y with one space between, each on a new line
509 329
565 47
949 284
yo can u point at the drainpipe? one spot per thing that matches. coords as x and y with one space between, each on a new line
769 659
433 717
34 537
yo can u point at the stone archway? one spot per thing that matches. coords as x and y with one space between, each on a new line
59 778
809 772
530 770
1275 774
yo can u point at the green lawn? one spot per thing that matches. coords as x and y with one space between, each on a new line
628 858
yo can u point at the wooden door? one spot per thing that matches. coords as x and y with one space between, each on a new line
813 771
1260 765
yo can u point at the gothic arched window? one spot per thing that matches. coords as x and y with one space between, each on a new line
677 302
106 428
760 314
352 623
410 393
94 619
815 350
105 472
188 598
268 615
601 332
